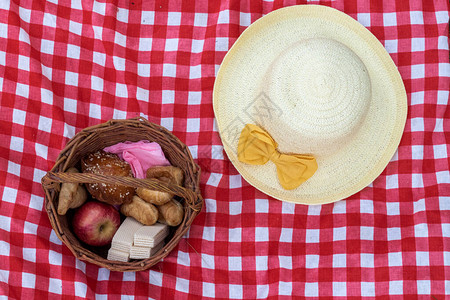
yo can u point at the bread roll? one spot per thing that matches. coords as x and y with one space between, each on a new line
105 163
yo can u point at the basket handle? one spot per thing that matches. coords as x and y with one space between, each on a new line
153 184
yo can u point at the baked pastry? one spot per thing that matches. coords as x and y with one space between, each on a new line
72 195
105 163
144 212
171 213
168 174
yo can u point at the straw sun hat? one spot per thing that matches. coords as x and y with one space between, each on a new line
316 84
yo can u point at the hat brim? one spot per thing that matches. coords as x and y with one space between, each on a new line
356 164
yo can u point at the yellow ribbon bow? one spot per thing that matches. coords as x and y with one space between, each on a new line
256 147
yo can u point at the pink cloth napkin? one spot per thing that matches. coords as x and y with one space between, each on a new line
140 155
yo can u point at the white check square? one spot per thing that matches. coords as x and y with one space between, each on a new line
167 123
120 39
245 19
99 58
14 169
261 234
417 71
71 78
25 14
201 19
339 261
170 70
440 151
395 259
171 45
366 233
80 289
423 287
209 289
75 27
55 286
22 90
194 98
312 235
417 44
195 72
168 97
5 223
193 125
262 291
235 181
311 261
443 177
45 124
367 260
121 90
422 258
173 18
235 291
197 46
417 180
144 70
209 233
54 258
224 17
261 205
311 289
16 144
390 19
142 94
119 63
421 230
416 17
148 17
395 287
145 44
391 46
208 261
221 44
29 254
368 289
392 181
339 289
234 263
364 19
214 180
28 280
24 63
417 152
442 97
285 262
122 15
182 285
286 235
235 235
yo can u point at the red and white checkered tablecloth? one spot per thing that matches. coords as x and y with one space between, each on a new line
66 65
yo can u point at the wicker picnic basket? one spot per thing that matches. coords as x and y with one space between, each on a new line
106 134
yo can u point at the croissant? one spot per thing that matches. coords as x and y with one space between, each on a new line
72 195
168 174
171 213
142 211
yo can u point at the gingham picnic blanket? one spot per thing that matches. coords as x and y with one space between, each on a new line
66 65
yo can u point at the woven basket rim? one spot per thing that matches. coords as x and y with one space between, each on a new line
193 200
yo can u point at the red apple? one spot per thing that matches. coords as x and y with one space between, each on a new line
95 223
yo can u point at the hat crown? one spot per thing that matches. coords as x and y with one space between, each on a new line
322 90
